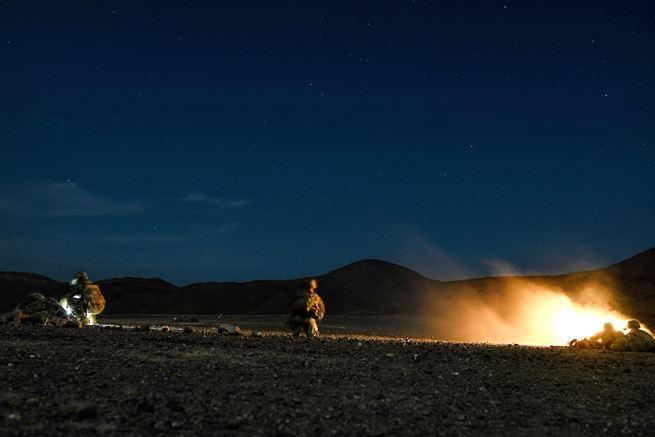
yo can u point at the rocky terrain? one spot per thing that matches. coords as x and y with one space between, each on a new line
58 381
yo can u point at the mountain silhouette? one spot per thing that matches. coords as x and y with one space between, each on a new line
363 287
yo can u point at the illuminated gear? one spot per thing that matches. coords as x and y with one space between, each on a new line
635 340
81 278
633 324
84 300
307 309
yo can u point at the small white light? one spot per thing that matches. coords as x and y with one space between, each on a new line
66 307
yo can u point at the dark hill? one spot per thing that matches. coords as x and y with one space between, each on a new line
14 286
129 295
254 297
368 286
373 286
635 280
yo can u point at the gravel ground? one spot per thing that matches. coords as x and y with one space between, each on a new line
59 381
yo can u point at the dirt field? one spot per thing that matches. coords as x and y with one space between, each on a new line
64 382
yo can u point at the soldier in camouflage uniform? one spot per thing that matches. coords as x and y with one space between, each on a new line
307 309
607 336
603 339
38 309
84 300
635 340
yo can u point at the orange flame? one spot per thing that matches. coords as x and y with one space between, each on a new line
558 320
521 311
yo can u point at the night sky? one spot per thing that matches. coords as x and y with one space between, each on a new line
241 140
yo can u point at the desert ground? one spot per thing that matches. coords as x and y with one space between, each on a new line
363 376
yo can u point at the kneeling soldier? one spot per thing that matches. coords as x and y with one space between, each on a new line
307 309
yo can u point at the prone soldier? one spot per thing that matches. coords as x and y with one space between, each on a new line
603 339
635 340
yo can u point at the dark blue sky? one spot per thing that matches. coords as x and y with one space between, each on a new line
242 140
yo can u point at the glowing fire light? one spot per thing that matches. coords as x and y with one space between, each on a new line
65 306
569 321
551 318
524 312
90 317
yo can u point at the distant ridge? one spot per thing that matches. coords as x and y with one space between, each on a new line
363 287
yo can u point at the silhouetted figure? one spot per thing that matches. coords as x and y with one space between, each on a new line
635 340
307 309
607 336
602 339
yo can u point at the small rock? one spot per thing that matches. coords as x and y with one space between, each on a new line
106 428
145 406
228 329
71 323
165 329
174 405
258 334
160 425
86 413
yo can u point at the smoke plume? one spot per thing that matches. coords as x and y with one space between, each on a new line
522 310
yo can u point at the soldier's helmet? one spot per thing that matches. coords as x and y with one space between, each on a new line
608 327
633 324
311 284
81 278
